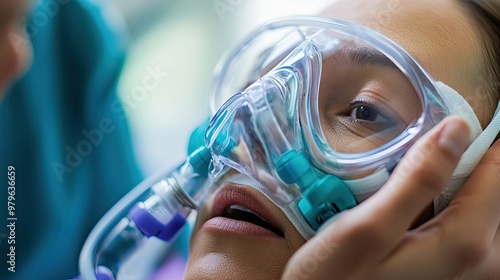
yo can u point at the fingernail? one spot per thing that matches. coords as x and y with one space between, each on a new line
454 137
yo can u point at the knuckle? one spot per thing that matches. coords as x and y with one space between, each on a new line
468 246
472 251
495 166
367 234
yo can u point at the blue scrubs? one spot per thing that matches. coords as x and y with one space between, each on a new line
64 132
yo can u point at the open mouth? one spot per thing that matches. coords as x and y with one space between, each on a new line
241 213
240 210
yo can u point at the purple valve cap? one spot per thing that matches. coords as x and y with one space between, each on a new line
151 226
101 273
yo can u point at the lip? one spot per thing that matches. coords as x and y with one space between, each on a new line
232 194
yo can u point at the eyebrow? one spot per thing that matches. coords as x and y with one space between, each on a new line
366 56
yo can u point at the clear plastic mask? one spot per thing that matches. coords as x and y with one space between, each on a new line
344 99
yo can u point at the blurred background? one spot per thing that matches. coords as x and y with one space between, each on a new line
67 179
184 40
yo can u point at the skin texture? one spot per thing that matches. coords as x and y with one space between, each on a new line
443 39
14 57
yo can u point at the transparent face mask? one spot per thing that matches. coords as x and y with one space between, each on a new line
313 112
304 100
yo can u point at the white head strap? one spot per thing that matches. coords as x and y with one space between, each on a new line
471 157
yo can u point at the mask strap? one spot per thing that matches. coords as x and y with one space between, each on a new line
468 162
458 106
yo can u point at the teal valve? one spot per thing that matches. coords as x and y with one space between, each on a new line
327 197
294 168
323 195
197 138
199 154
200 160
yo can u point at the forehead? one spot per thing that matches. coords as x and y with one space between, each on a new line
438 34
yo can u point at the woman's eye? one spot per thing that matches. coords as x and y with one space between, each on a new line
366 113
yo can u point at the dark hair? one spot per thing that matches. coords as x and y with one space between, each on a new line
486 13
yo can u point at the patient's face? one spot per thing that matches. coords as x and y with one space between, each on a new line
14 46
227 243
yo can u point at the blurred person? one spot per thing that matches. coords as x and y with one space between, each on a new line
13 59
63 130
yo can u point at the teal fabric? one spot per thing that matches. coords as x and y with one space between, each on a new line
63 130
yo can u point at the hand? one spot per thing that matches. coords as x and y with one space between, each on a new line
373 240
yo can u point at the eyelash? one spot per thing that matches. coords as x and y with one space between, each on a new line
368 103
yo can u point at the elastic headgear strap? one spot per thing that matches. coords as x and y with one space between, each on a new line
470 158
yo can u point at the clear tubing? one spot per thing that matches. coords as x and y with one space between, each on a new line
116 236
88 261
120 244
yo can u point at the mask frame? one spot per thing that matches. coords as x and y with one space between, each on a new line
318 150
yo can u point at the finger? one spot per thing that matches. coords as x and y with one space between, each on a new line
488 269
405 262
368 232
418 178
475 210
420 255
460 237
433 254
